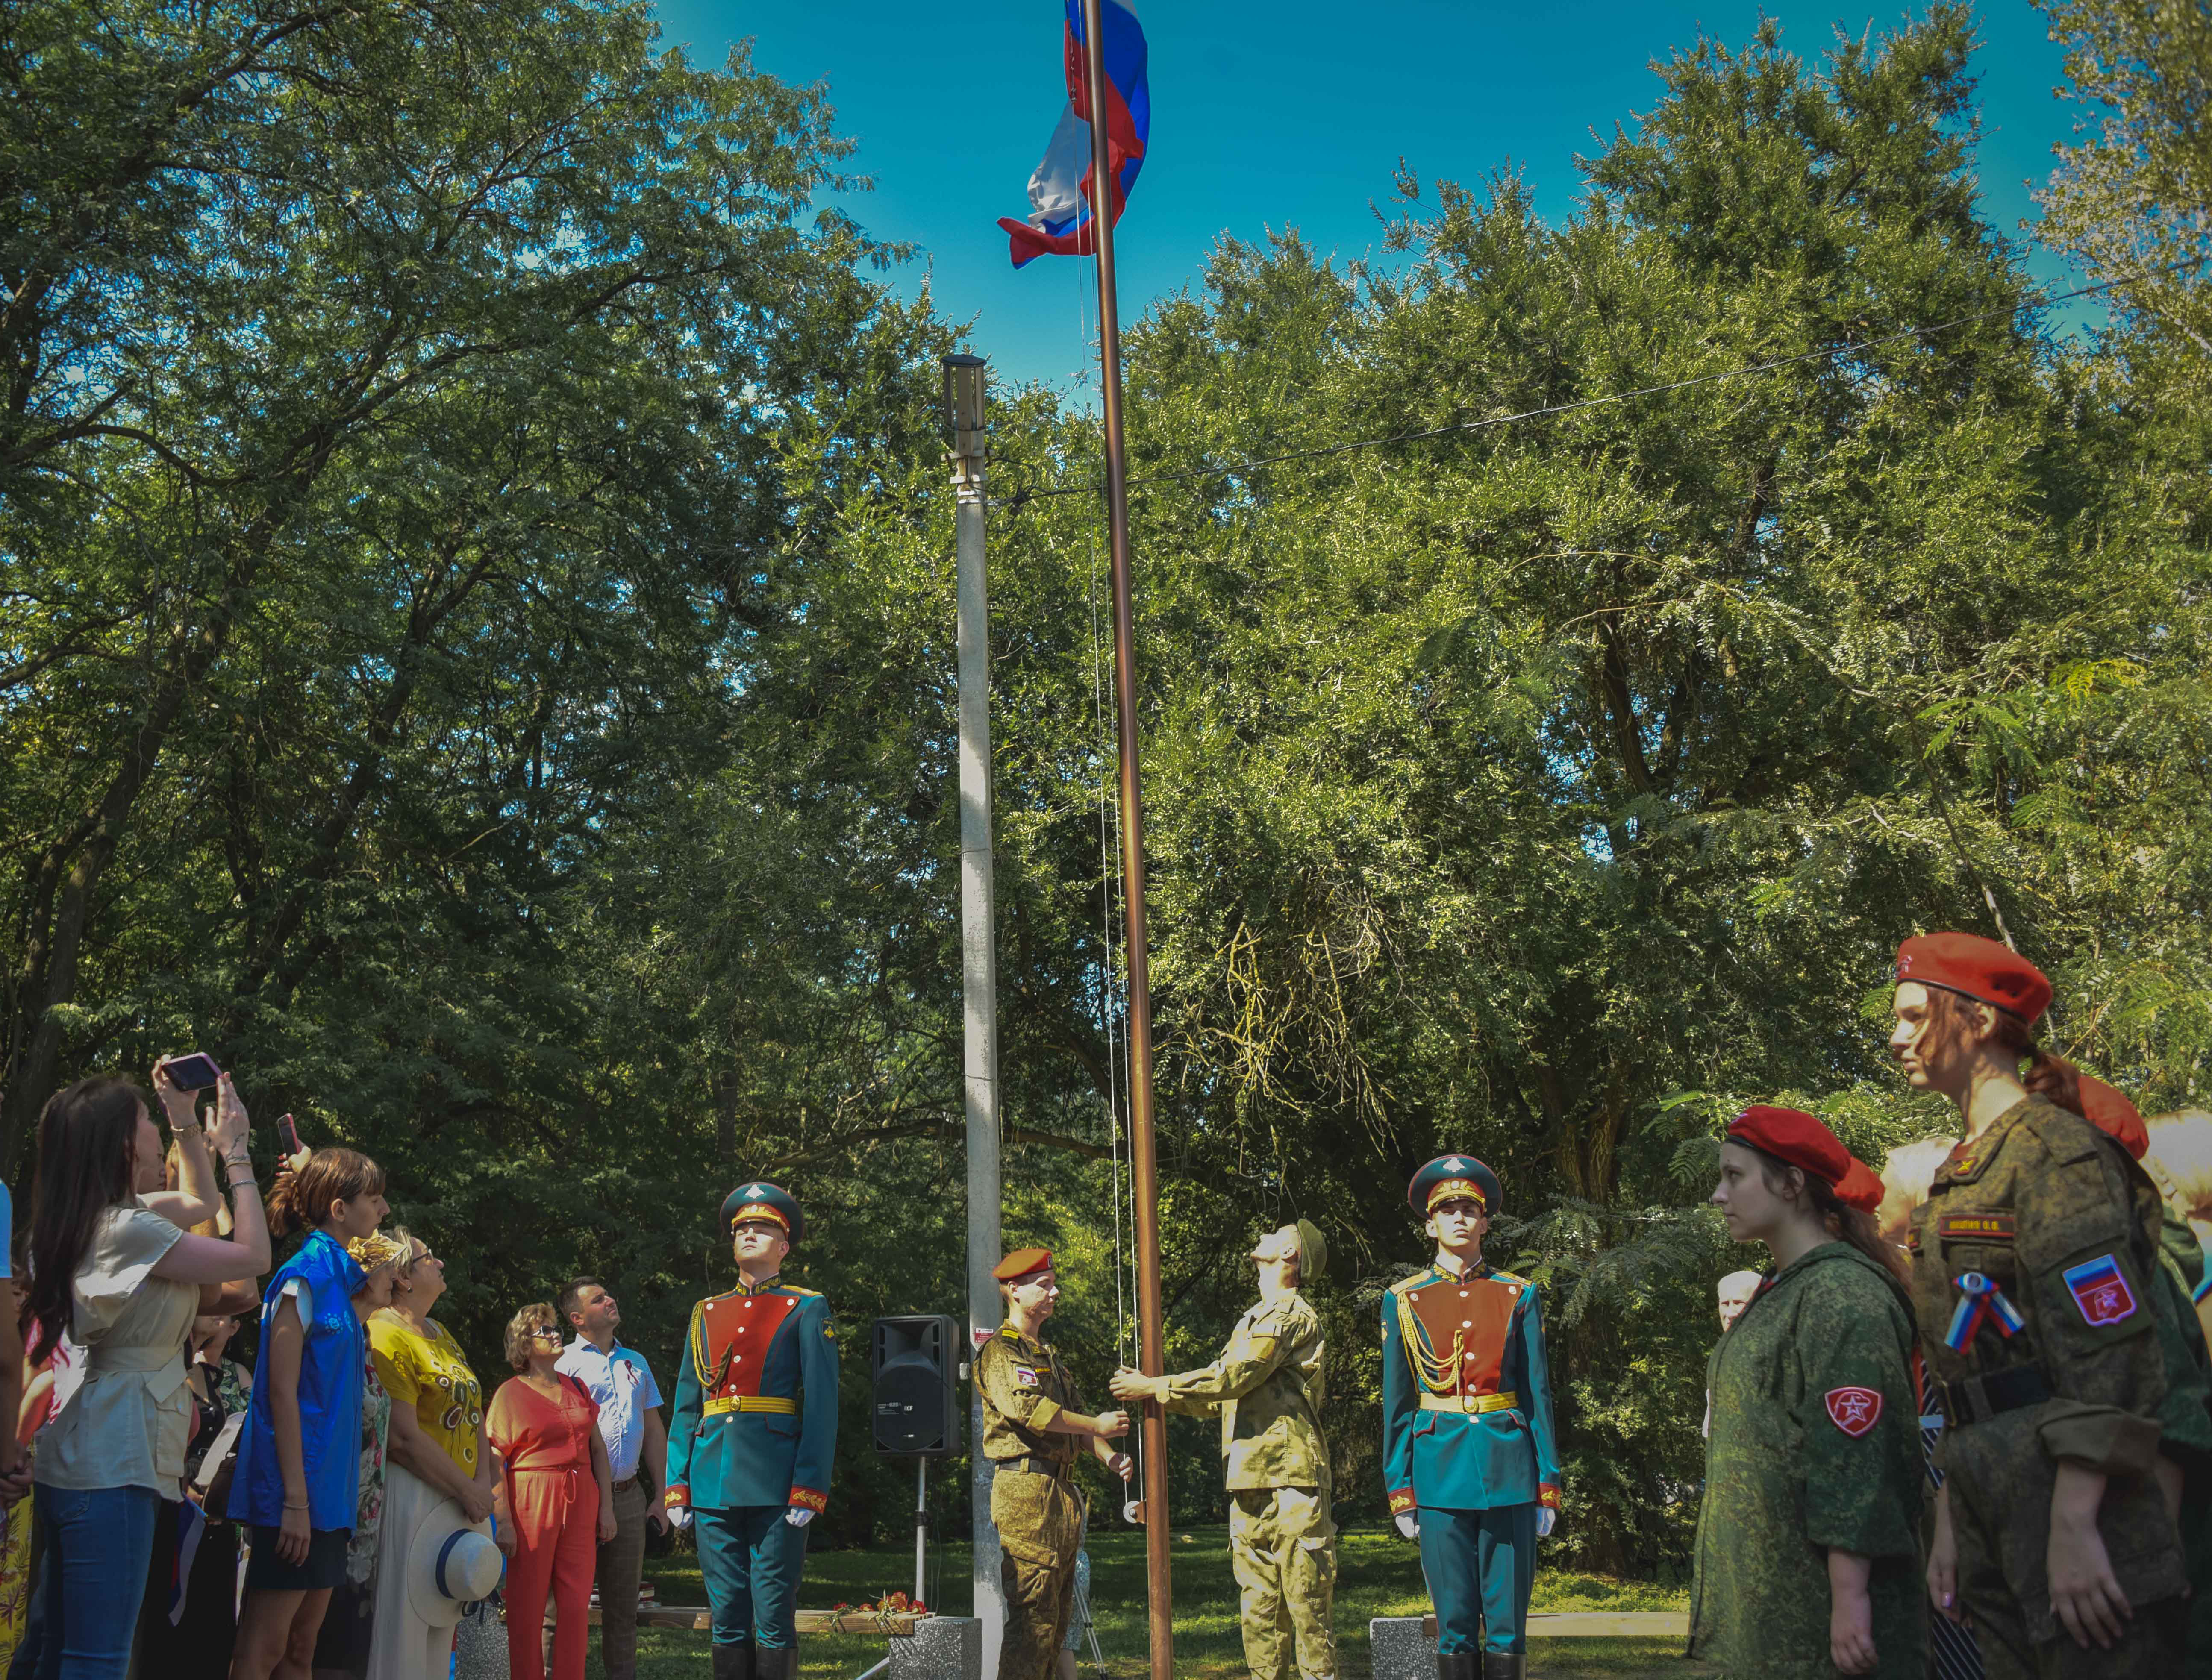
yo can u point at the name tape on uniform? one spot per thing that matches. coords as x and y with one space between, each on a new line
1971 1227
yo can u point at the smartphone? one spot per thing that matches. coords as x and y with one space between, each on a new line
289 1134
195 1072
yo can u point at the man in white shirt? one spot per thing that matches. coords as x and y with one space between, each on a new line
637 1449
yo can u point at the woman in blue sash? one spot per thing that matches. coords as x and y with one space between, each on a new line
298 1461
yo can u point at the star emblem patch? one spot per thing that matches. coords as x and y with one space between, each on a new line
1854 1411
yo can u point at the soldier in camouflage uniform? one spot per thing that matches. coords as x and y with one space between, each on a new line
1808 1544
1268 1386
1033 1419
2035 1284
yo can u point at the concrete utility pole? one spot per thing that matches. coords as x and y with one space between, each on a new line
965 405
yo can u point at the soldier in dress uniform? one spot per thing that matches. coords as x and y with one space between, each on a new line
756 1431
1268 1386
1468 1456
1033 1419
2035 1263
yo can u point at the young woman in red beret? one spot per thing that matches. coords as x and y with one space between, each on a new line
2035 1261
1808 1544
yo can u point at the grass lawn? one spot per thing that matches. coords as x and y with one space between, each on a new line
1378 1574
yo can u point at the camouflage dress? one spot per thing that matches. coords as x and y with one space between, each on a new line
1816 1444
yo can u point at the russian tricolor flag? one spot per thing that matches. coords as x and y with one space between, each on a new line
1059 191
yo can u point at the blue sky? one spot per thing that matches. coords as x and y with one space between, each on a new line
1291 114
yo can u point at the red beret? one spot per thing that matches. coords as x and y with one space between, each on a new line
1976 967
1794 1136
1021 1263
1860 1187
2105 1109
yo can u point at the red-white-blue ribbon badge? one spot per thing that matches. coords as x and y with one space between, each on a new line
2100 1290
1980 1300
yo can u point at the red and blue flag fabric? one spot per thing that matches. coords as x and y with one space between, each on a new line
1059 191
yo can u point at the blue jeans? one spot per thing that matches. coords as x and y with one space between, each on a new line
84 1606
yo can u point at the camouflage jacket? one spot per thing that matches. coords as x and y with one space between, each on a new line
1816 1444
1268 1386
2053 1214
1024 1386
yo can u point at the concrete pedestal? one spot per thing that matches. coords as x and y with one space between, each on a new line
941 1648
1403 1647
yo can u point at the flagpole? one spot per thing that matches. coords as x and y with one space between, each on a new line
1143 1157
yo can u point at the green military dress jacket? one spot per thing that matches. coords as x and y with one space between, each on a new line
1815 1443
1268 1385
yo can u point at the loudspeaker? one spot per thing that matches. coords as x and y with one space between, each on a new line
913 1362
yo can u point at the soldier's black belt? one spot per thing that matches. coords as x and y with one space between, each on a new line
1975 1399
1034 1466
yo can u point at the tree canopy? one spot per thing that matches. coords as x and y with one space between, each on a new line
477 647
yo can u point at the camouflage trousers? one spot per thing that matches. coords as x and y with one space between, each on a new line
1283 1546
1040 1523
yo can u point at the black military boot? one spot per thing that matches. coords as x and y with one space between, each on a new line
735 1662
1459 1665
1500 1666
778 1663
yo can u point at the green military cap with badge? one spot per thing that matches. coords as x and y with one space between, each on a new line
763 1200
1449 1178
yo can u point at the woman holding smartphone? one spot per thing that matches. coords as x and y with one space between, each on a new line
297 1482
125 1283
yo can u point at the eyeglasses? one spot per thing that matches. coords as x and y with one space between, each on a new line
545 1332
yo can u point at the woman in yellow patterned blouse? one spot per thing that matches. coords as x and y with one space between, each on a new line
436 1451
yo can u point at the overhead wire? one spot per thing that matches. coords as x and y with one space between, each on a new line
1612 398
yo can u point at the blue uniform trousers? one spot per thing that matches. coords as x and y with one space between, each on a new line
752 1559
1480 1566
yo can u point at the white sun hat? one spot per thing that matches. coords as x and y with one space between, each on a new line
450 1565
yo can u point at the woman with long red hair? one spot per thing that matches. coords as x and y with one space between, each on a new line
2034 1262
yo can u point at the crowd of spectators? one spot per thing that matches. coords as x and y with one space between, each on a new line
329 1511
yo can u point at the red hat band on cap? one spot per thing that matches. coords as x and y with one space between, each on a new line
1794 1136
1976 968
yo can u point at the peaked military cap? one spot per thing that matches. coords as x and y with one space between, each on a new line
1313 1253
762 1200
1449 1176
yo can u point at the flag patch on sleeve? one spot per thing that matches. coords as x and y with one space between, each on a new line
1025 1377
2100 1290
1854 1411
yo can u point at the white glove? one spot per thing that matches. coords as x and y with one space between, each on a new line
1545 1516
799 1516
1409 1524
679 1516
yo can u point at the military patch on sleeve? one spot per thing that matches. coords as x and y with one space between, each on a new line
1975 1226
1854 1411
829 1331
1025 1376
2100 1290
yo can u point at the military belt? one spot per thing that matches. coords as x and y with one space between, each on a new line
722 1404
1466 1402
1058 1467
1976 1400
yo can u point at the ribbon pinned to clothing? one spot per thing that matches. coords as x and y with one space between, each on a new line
1981 1300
